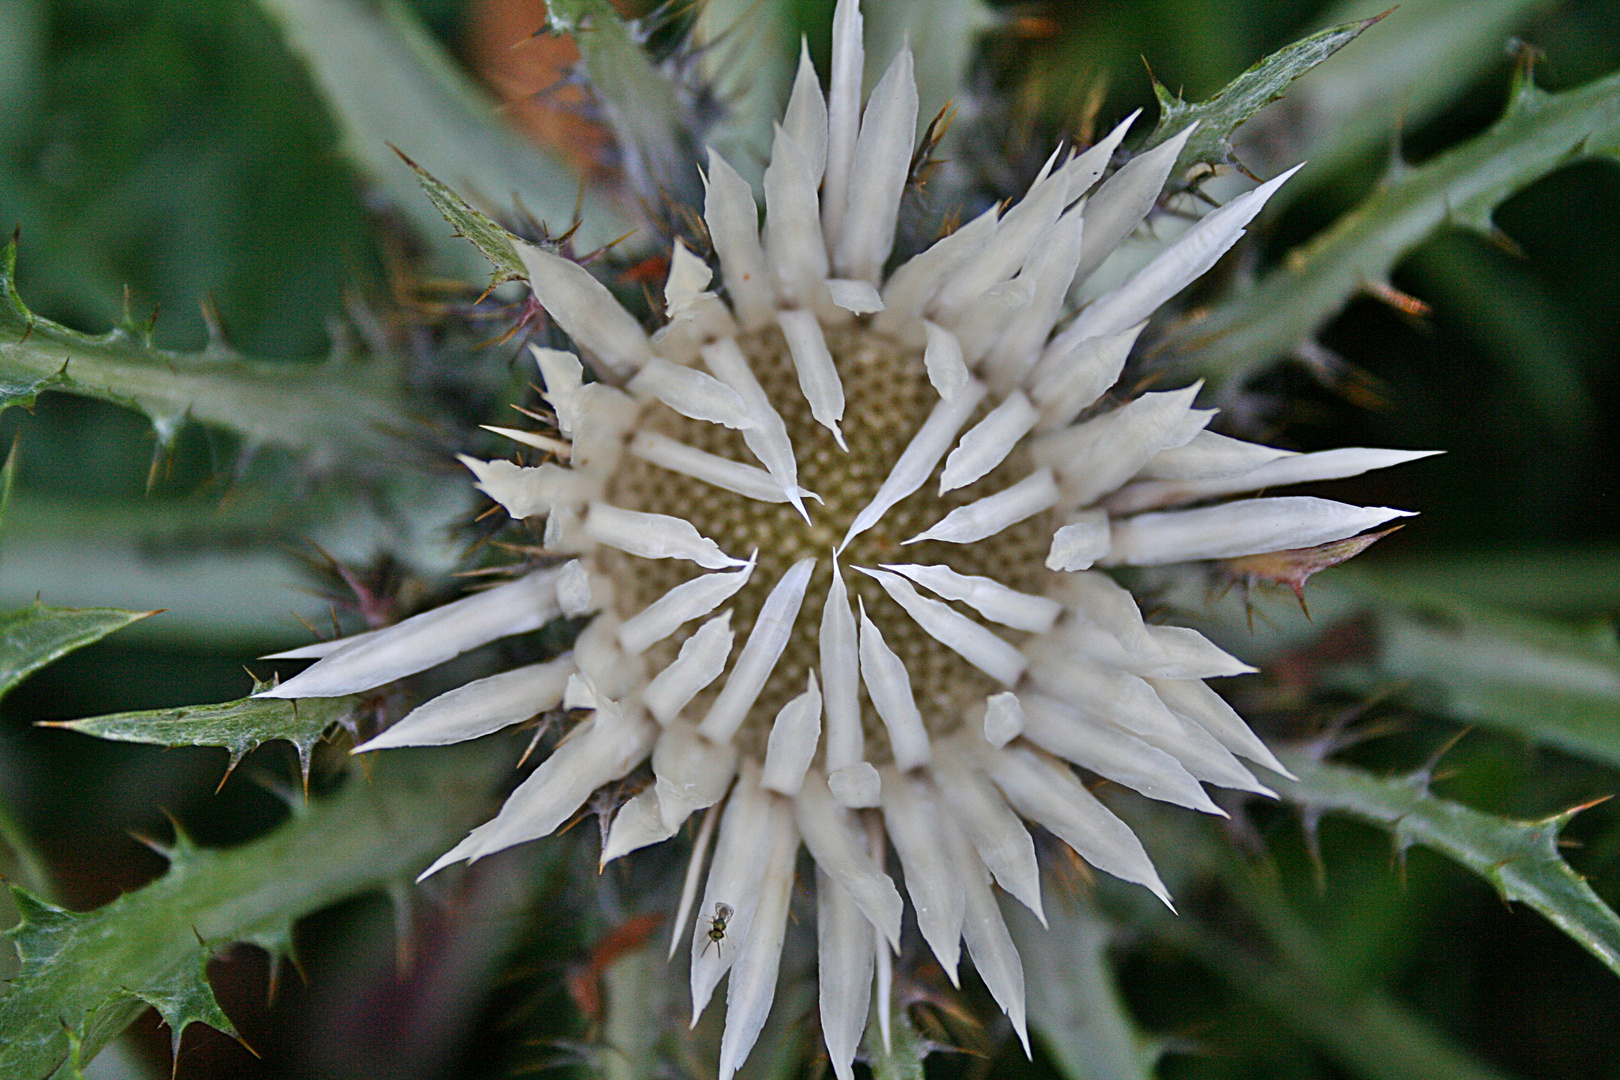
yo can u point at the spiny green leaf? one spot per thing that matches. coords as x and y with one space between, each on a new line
238 726
472 223
1520 858
21 388
1074 1005
1427 56
1539 133
1219 116
332 414
33 636
1555 684
641 103
90 973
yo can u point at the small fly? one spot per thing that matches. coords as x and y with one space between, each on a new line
717 925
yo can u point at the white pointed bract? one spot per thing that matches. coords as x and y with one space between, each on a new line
826 690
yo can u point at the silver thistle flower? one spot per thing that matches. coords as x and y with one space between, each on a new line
856 443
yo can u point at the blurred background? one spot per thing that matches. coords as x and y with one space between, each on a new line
178 152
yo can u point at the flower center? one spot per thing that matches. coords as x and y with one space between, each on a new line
888 397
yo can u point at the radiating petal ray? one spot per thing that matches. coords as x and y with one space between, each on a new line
987 516
920 456
686 601
973 642
758 658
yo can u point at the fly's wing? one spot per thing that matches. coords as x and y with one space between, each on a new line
722 912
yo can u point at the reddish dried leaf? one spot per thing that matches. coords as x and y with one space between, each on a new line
1294 567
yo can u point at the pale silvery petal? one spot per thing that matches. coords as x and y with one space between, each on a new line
832 834
843 115
818 378
979 324
856 786
844 956
792 742
840 677
317 649
1190 655
530 492
1064 384
1105 691
969 640
759 950
768 439
1124 199
1112 752
705 319
585 310
1293 469
758 657
691 772
1003 719
1191 699
1083 171
604 749
911 812
1017 234
1194 252
911 288
1240 528
654 536
426 640
477 708
1096 597
793 243
702 658
919 457
749 481
884 980
605 415
986 517
694 876
988 442
805 120
947 371
1209 457
564 378
1079 544
855 296
574 589
1201 754
734 880
1099 455
878 174
637 824
733 220
988 597
681 604
689 277
1049 793
692 393
889 686
1051 268
995 831
995 957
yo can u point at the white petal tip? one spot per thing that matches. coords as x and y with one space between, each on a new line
855 296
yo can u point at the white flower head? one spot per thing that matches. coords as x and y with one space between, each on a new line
838 528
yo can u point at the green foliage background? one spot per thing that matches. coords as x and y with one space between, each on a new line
177 148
